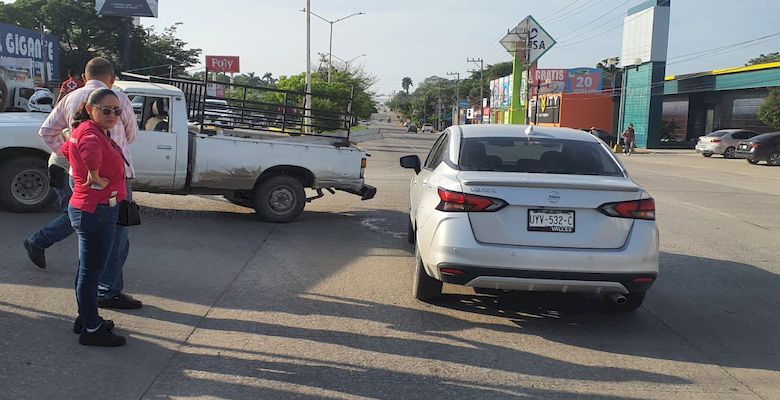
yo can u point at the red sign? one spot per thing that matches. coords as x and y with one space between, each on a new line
222 64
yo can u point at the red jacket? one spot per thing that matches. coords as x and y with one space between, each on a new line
70 85
89 148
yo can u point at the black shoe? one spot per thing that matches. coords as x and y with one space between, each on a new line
120 301
77 326
101 337
35 254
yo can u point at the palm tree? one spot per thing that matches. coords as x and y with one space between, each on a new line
269 78
406 82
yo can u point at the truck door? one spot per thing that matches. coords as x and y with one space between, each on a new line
154 149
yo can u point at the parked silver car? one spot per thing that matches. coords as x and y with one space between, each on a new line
723 142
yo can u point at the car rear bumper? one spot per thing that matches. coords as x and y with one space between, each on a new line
745 154
453 246
710 148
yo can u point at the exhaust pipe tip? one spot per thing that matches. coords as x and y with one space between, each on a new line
618 298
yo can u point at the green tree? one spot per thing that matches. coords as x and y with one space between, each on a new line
764 58
84 35
769 111
406 82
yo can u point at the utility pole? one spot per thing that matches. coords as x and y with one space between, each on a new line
457 97
481 82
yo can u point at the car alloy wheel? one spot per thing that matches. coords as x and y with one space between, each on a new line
730 152
774 159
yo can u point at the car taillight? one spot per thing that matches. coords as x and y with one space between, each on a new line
462 202
755 145
635 209
715 140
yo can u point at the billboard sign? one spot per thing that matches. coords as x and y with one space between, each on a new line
548 80
584 80
222 64
126 8
528 40
22 54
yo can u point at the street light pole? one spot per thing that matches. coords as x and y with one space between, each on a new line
330 46
307 107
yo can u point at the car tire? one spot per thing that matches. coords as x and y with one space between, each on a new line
410 234
24 185
424 287
279 199
633 301
730 152
774 159
708 155
752 161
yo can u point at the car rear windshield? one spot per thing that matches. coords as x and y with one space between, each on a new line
718 134
536 155
765 137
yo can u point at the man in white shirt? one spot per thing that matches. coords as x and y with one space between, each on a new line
99 73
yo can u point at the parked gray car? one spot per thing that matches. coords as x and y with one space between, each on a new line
723 142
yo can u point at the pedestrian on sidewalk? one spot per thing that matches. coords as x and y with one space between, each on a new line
629 139
99 73
98 171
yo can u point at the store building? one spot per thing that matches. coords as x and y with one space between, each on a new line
697 104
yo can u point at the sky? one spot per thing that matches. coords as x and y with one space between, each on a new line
422 38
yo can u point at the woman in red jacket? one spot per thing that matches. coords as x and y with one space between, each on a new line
98 170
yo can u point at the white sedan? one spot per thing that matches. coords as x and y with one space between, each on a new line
511 207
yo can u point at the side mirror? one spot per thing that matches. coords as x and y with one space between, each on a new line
411 162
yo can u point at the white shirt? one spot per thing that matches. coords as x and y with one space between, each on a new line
61 118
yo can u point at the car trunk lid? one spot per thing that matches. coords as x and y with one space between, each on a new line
538 203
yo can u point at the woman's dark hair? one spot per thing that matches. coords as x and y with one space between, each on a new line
94 98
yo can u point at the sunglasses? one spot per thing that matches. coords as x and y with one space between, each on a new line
108 110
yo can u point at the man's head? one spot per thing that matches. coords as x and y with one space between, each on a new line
72 73
631 126
100 69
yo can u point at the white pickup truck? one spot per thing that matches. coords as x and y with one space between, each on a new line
267 171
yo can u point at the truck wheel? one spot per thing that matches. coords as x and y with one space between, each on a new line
424 287
24 185
280 199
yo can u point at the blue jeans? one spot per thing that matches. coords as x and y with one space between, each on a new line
96 238
57 229
112 281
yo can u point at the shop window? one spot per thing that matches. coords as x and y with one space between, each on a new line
674 124
744 114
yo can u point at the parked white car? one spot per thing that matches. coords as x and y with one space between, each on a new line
510 207
427 128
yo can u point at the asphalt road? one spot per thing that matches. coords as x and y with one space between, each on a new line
322 307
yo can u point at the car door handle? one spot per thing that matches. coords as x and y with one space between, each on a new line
164 147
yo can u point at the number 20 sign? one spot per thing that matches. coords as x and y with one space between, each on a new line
585 80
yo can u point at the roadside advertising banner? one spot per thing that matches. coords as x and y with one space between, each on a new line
126 8
584 80
22 54
224 64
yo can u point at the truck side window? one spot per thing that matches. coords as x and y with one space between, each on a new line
155 114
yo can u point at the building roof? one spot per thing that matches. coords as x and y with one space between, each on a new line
722 71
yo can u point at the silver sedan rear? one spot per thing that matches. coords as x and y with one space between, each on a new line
723 142
511 207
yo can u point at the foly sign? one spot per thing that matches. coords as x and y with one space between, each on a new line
222 64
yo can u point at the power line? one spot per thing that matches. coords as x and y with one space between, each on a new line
594 20
586 6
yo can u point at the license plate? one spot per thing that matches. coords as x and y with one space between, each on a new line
551 221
